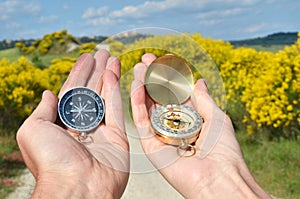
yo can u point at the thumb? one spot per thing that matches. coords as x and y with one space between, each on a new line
47 108
202 100
214 118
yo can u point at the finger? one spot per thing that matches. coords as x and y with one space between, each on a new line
79 74
202 100
95 81
113 102
141 117
140 106
47 109
139 109
148 58
215 120
140 69
139 72
113 64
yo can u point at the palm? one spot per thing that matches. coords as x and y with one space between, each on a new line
213 157
53 152
65 152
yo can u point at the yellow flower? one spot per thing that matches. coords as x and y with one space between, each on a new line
289 108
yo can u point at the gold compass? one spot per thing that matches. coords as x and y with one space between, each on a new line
169 81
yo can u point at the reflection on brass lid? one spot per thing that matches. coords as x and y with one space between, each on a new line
169 80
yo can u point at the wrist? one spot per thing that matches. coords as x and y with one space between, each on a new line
228 182
68 187
248 180
48 189
232 182
86 183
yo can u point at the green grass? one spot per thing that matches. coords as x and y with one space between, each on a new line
44 61
41 61
271 48
12 54
275 165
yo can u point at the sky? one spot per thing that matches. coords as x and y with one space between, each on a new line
218 19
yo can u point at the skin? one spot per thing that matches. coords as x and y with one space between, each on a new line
218 169
65 167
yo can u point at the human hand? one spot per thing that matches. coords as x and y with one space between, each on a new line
218 169
64 167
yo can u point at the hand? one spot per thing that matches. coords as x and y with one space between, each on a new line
217 170
64 167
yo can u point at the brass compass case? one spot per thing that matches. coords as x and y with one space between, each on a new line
169 82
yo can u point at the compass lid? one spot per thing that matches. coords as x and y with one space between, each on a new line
169 80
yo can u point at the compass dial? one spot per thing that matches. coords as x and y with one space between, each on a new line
81 109
175 123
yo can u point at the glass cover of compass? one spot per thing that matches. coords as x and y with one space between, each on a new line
81 109
176 124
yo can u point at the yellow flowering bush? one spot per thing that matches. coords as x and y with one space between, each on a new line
54 43
87 48
262 88
57 73
203 55
22 84
20 89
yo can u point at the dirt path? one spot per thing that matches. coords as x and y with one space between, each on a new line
27 183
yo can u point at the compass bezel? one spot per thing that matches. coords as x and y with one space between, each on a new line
97 102
172 136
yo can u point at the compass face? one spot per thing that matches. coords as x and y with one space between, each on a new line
81 109
176 121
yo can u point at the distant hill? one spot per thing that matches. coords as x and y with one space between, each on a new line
124 38
6 44
280 38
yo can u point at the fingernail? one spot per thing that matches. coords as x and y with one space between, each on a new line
148 58
44 94
110 60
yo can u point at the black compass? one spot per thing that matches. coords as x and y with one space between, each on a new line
81 109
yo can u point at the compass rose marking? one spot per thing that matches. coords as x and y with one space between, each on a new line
81 109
